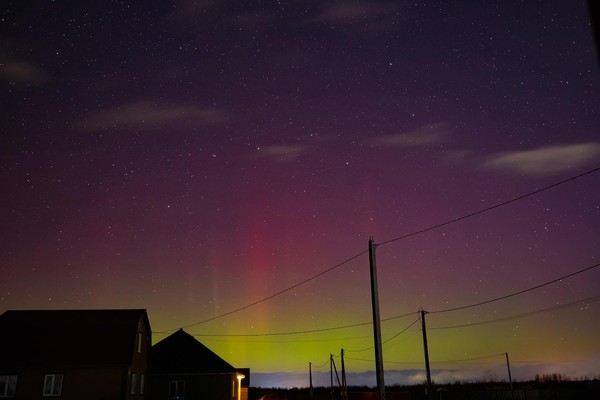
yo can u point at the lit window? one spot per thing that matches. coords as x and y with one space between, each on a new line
176 389
133 382
53 384
8 385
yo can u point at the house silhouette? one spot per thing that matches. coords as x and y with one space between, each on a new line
107 354
74 354
182 367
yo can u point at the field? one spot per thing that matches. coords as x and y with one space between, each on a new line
569 390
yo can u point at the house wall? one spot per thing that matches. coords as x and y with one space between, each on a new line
197 386
106 375
139 361
88 383
110 383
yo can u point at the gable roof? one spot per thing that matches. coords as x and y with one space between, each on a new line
69 338
182 353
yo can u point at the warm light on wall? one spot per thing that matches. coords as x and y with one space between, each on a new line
239 386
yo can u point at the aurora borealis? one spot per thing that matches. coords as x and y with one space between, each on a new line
195 158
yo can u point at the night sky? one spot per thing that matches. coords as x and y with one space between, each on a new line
195 158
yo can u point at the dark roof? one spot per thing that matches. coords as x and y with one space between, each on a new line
182 353
69 338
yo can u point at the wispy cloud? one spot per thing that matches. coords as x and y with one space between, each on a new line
146 113
545 160
427 135
283 152
22 72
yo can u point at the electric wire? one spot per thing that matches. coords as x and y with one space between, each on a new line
516 293
528 314
270 296
469 359
503 319
271 341
432 362
498 205
457 219
283 333
408 314
387 340
208 335
401 332
398 316
322 365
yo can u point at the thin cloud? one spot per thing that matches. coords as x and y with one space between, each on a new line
545 160
427 135
147 113
283 152
22 72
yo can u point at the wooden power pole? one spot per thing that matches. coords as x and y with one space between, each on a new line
426 351
376 322
344 387
310 390
509 376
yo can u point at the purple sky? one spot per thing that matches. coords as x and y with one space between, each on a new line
195 157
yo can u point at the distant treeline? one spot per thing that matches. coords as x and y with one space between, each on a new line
544 387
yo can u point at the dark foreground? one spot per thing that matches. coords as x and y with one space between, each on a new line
580 390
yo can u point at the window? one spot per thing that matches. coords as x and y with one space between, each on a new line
133 382
176 389
53 384
8 385
139 342
142 384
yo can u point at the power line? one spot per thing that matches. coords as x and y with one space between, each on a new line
469 359
208 335
433 362
283 333
398 316
516 293
363 359
401 332
268 297
383 243
321 366
408 314
270 341
390 241
528 314
514 199
387 340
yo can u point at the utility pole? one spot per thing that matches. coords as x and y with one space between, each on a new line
427 369
334 368
310 390
344 387
376 322
508 366
331 374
